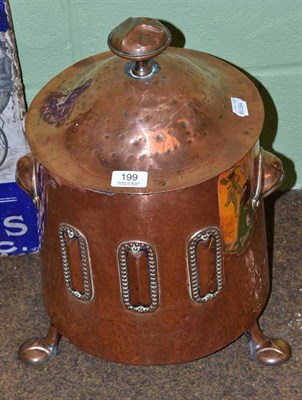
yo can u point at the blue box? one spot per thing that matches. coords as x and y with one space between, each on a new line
18 215
18 221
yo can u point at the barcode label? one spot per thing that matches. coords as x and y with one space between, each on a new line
239 107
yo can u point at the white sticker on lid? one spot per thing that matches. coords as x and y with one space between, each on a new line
239 107
135 179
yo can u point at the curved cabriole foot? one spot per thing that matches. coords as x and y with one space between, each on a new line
266 350
39 350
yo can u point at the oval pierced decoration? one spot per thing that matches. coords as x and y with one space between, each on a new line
134 248
70 236
202 237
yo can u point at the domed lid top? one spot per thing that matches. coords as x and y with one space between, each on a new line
144 125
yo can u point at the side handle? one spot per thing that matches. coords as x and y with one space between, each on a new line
273 173
26 177
270 176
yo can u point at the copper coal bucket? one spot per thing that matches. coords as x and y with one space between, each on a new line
149 181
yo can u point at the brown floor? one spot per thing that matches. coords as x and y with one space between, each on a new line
228 374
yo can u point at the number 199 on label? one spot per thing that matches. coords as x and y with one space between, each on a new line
130 177
135 179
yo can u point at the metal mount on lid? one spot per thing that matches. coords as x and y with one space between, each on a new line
179 122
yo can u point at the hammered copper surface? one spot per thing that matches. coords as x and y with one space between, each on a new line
179 329
178 126
167 273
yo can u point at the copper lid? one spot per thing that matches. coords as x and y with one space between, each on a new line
171 116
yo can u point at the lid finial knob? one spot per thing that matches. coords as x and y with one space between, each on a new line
139 40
